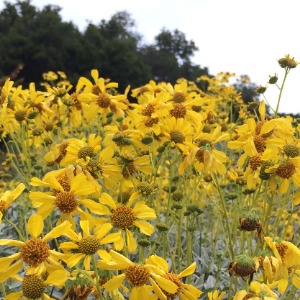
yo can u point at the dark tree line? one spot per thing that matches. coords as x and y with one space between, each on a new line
41 41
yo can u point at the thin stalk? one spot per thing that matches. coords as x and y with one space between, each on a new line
280 91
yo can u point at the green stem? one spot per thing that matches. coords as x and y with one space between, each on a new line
280 92
98 287
17 229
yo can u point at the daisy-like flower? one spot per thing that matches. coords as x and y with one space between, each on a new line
286 171
123 218
104 98
288 258
143 279
84 245
34 253
184 290
66 194
179 132
215 295
79 151
205 156
8 197
34 285
258 291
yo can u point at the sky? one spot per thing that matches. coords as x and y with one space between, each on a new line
236 36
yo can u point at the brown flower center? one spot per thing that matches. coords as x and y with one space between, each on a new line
200 155
123 217
178 111
33 287
103 100
89 245
286 170
128 170
35 251
260 143
150 122
148 110
178 97
177 136
64 182
137 275
255 162
282 249
66 202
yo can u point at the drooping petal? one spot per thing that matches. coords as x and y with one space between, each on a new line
35 225
73 259
108 200
114 283
144 227
58 231
188 271
131 242
158 261
165 284
57 278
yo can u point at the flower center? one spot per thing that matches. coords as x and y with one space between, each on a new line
282 249
148 110
175 279
20 115
286 170
144 188
260 143
35 251
128 169
200 155
33 287
89 245
291 150
150 122
103 100
178 111
178 97
66 202
177 136
122 217
85 151
255 162
64 182
137 275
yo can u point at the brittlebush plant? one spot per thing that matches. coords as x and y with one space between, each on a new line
184 194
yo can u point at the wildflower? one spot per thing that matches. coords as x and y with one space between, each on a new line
34 285
35 252
215 295
65 195
123 217
184 290
8 197
85 245
144 279
258 291
287 62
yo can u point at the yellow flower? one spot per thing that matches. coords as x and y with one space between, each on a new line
123 218
215 295
66 194
35 252
8 197
184 290
84 246
34 285
285 171
144 279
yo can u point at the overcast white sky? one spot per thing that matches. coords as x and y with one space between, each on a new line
239 36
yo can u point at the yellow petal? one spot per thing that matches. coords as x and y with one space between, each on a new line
8 242
35 225
114 283
188 271
144 226
120 259
157 290
57 278
85 226
81 186
58 231
158 261
165 284
108 200
73 259
131 242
